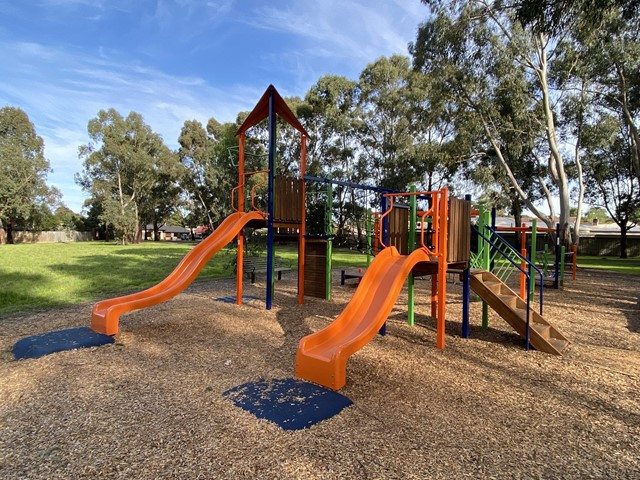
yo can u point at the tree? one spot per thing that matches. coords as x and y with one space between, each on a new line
122 164
609 174
331 116
67 219
555 16
598 214
23 170
469 46
211 172
609 60
385 133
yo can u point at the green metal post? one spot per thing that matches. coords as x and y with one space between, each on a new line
412 245
327 230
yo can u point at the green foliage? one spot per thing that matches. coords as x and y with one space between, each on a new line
598 213
210 172
129 171
24 193
609 175
495 77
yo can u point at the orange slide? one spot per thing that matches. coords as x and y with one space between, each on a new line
105 314
322 356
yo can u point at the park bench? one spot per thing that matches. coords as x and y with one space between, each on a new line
253 265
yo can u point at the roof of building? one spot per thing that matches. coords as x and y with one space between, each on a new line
169 228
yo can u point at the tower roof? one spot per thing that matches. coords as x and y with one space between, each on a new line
261 111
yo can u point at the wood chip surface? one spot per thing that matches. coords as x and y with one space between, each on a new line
150 406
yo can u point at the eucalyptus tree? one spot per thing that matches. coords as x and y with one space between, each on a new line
609 175
23 170
559 15
210 156
162 198
330 116
607 62
470 46
196 153
121 166
385 133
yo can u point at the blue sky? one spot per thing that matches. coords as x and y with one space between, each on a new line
177 60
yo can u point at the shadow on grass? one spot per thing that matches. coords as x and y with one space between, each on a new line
113 272
14 297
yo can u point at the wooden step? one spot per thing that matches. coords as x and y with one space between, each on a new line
513 309
543 330
495 287
558 343
509 300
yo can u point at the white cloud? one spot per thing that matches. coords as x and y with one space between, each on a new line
355 30
61 91
177 60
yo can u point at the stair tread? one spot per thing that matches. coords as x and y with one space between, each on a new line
514 310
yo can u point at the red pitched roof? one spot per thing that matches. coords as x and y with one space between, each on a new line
261 111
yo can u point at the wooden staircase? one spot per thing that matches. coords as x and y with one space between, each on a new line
542 335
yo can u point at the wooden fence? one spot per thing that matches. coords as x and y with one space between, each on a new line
598 245
61 236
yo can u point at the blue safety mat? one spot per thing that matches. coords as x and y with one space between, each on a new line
232 298
290 403
58 341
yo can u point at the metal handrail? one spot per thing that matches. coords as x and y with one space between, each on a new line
526 272
433 211
253 190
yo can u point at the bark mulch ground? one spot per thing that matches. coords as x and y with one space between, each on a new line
151 405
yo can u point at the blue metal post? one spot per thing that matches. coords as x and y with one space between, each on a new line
466 293
270 200
384 225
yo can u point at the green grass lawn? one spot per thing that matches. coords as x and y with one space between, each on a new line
619 265
36 276
40 276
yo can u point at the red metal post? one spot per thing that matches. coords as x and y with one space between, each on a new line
443 212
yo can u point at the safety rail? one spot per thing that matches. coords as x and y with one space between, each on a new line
502 270
253 191
438 212
511 256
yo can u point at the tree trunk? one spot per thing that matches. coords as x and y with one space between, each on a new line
10 231
516 208
137 235
623 241
156 230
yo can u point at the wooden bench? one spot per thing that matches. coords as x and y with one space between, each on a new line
347 274
253 265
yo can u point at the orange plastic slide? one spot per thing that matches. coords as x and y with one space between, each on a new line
322 356
105 314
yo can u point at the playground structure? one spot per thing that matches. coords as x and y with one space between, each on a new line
553 265
493 262
441 243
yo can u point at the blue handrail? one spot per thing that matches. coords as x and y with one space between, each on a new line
527 272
